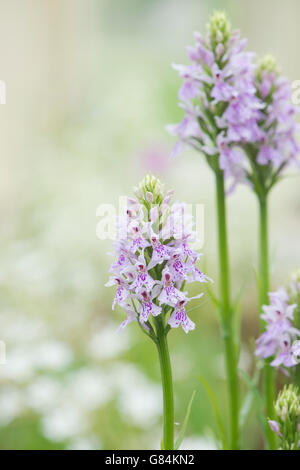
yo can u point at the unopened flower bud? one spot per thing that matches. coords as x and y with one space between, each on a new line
149 197
275 427
268 65
154 214
219 28
287 408
220 50
219 36
296 351
150 190
288 402
137 192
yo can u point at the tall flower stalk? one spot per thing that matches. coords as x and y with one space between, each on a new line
153 263
264 284
227 314
167 384
269 155
221 110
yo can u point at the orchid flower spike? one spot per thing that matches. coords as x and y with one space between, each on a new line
278 339
275 146
155 261
219 99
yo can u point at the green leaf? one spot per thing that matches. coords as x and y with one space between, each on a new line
162 444
257 398
253 396
237 328
214 403
238 297
252 384
257 278
185 422
212 296
236 311
246 408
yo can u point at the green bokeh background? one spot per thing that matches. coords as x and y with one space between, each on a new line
90 90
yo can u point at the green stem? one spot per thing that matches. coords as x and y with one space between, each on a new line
231 355
167 385
263 251
269 378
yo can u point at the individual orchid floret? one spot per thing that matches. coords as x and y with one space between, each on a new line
180 317
122 292
296 351
155 260
219 98
280 332
294 292
131 316
169 294
160 252
147 307
287 425
276 146
141 277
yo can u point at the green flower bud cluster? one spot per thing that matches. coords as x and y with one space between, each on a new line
219 29
287 408
267 64
266 75
150 191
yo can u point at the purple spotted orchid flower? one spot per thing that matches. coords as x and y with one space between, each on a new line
275 146
279 146
155 260
277 339
219 98
122 292
180 317
147 307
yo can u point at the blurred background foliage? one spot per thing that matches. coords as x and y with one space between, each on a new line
90 90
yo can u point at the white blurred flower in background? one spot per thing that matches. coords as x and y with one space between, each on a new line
138 398
64 422
11 404
52 355
199 443
85 443
105 344
43 393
